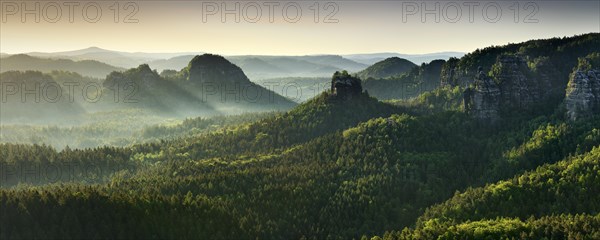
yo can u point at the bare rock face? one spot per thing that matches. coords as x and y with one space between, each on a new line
509 86
517 89
484 98
583 94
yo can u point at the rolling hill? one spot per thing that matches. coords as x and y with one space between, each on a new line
22 62
556 201
387 68
372 58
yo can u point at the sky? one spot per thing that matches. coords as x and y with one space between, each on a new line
287 27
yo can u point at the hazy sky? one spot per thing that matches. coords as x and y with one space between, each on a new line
352 26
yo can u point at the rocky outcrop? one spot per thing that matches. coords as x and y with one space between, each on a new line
345 86
517 89
511 85
583 94
482 101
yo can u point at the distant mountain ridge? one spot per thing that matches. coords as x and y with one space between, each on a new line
96 50
22 62
255 66
210 85
372 58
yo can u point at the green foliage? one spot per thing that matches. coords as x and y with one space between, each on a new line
440 99
340 169
589 62
570 186
389 67
582 226
554 199
411 83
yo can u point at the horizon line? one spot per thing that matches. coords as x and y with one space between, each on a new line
236 54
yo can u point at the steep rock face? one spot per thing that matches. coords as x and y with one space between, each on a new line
511 85
583 94
517 89
483 100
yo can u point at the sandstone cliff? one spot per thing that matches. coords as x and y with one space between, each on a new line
583 94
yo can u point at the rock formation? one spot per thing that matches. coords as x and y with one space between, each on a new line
517 90
345 86
485 98
583 94
511 85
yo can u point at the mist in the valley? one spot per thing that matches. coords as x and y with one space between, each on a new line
95 97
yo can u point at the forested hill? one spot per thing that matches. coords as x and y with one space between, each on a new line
208 83
389 67
557 201
555 57
409 84
371 178
546 63
224 85
320 116
209 86
570 186
22 62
